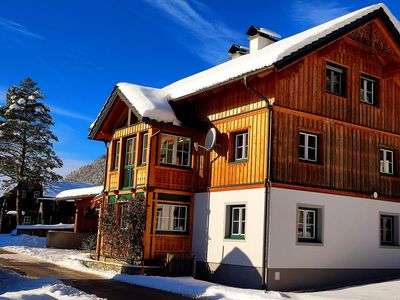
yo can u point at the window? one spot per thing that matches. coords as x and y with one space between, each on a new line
123 224
238 222
308 227
171 217
23 194
368 90
145 138
130 154
386 162
36 194
308 147
27 220
387 230
175 150
116 155
241 146
335 80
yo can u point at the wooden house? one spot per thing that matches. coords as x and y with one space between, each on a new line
302 187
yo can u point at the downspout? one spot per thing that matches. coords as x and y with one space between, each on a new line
106 144
267 204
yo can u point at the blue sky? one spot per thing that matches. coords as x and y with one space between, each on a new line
78 50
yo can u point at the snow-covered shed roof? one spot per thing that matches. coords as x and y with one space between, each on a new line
54 188
80 193
274 55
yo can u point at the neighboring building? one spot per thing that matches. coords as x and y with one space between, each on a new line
86 214
302 188
37 205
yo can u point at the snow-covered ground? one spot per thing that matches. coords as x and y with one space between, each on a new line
187 285
15 286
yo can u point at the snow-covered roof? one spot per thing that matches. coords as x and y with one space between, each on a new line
55 187
149 102
4 190
263 59
80 193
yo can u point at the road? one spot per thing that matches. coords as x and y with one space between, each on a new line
89 283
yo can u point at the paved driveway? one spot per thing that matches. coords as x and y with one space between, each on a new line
89 283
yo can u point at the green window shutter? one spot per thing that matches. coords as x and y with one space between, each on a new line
125 197
183 198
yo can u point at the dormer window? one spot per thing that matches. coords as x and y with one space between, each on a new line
368 90
335 79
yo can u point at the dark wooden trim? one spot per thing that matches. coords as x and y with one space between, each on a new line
332 192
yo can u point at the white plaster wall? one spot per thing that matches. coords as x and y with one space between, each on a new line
351 237
209 242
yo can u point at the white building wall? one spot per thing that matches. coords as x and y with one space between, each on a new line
209 242
351 232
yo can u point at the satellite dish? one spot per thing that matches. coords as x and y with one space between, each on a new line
211 138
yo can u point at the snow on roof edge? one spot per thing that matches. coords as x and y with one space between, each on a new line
235 69
80 193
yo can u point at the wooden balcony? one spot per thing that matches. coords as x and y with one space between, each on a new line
113 181
171 178
174 244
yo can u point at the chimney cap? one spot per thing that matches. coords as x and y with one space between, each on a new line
253 30
238 49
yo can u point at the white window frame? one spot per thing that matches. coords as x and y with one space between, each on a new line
304 223
244 146
383 230
27 220
242 212
332 70
116 154
36 194
364 92
175 150
307 147
123 225
386 166
130 152
145 141
171 219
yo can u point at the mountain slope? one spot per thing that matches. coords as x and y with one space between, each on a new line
91 173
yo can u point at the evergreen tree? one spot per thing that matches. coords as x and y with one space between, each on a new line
26 150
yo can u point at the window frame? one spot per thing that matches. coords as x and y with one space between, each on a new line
306 211
382 162
307 147
23 194
175 151
332 69
364 79
144 149
241 234
171 219
117 147
122 224
36 195
27 220
129 168
244 146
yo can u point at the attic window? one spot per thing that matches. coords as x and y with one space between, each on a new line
335 79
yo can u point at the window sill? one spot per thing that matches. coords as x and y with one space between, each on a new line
163 232
176 166
369 104
241 238
238 161
387 175
309 243
305 161
336 95
394 246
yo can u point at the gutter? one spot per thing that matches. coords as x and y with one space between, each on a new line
266 223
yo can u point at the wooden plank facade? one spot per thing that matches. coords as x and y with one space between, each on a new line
350 133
